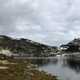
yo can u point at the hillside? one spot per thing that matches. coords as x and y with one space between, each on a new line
25 46
73 46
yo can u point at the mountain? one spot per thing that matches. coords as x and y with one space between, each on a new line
25 46
73 46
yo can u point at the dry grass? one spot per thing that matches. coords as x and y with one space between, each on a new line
22 70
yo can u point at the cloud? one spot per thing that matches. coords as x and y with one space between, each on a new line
48 21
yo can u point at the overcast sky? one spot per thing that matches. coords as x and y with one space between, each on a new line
53 22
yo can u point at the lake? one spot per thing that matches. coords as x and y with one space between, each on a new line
59 66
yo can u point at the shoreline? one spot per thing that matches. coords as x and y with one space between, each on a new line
21 70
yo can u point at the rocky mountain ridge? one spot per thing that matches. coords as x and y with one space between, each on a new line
25 46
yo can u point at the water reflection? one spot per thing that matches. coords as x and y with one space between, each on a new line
74 65
59 62
62 67
44 62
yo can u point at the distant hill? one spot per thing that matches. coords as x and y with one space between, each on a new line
25 46
73 46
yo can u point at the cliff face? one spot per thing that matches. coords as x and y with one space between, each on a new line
25 46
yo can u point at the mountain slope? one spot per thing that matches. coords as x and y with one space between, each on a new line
25 46
73 46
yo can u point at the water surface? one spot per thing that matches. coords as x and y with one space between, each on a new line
59 66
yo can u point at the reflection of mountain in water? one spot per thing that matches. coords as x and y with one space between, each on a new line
58 61
42 62
63 68
74 65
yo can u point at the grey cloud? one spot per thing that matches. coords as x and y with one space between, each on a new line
47 21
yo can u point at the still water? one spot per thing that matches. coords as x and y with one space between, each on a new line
59 66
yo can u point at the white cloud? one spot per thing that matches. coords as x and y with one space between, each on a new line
47 21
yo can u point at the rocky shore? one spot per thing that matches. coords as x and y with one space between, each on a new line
22 70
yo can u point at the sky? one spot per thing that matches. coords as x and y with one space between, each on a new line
52 22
